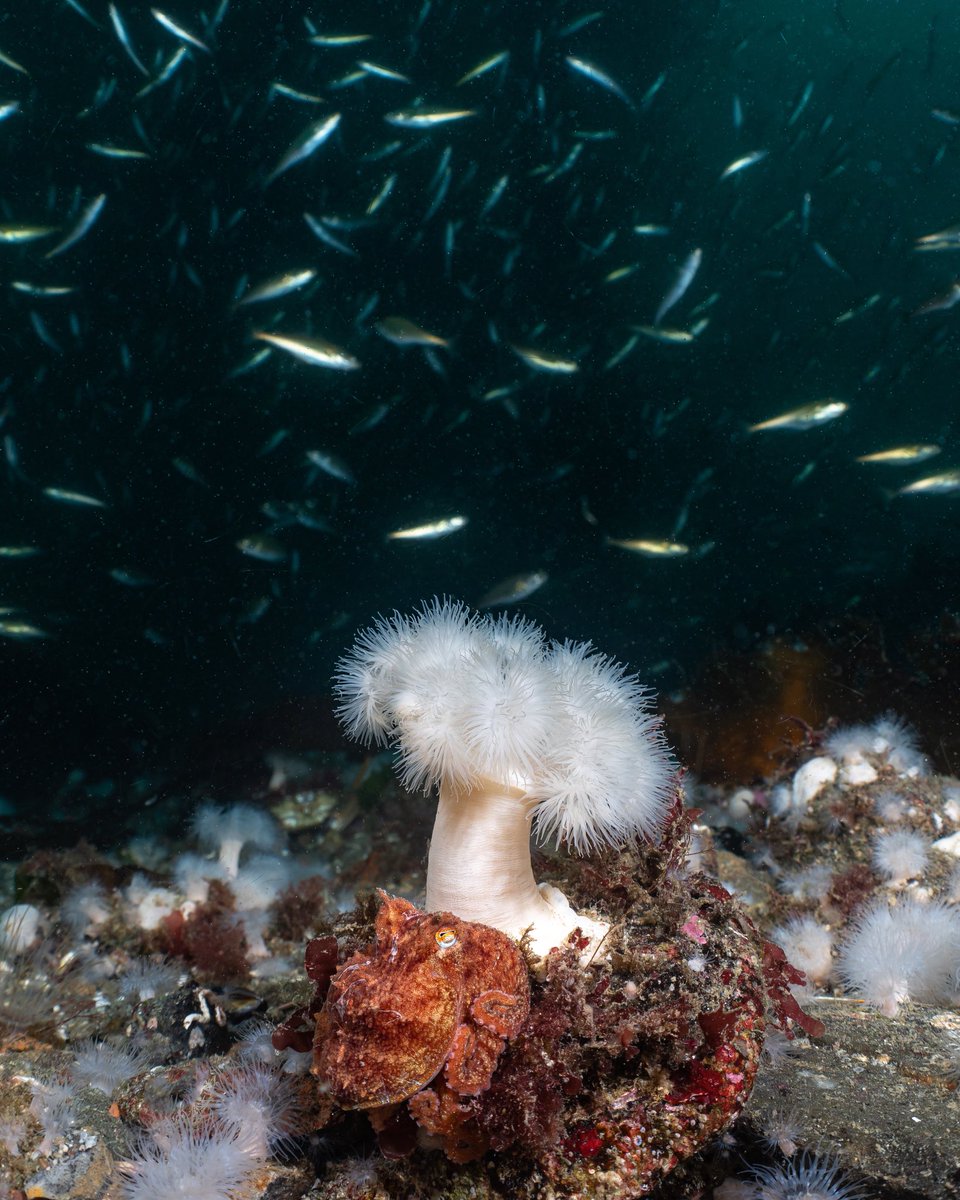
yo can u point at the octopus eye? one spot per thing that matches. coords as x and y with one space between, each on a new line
445 938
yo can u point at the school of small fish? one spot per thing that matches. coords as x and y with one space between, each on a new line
286 298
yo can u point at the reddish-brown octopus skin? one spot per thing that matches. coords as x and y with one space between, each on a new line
433 994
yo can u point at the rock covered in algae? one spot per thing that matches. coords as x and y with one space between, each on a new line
624 1068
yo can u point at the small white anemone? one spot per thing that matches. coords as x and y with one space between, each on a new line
907 952
891 807
808 945
900 855
261 880
190 1164
850 744
810 781
805 1176
513 732
255 1045
85 908
951 802
782 1130
898 744
147 904
228 830
105 1065
261 1104
809 883
192 873
12 1131
52 1106
864 750
145 979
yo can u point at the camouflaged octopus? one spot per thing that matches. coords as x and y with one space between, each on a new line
421 1021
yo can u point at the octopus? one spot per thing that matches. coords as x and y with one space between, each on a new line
414 1027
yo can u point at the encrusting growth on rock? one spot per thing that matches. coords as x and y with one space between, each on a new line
586 1079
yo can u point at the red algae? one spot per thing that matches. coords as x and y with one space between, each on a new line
211 938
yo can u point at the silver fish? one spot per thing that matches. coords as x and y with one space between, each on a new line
430 531
381 196
15 235
318 227
168 71
80 499
335 467
178 31
83 226
129 578
900 456
650 547
121 31
21 631
318 352
332 41
427 118
309 141
801 104
827 259
648 95
279 285
539 360
943 239
947 483
659 333
593 73
741 164
488 64
13 64
370 68
513 589
808 416
107 151
685 276
494 195
281 89
941 303
262 547
402 332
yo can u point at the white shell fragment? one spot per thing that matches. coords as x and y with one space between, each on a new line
811 779
20 928
949 844
858 774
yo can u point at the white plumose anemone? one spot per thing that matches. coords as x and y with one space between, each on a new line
513 731
907 952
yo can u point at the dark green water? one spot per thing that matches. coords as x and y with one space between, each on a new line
131 389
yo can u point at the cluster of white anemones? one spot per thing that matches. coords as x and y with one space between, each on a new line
854 756
905 944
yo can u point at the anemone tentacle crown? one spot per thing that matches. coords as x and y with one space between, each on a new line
514 731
